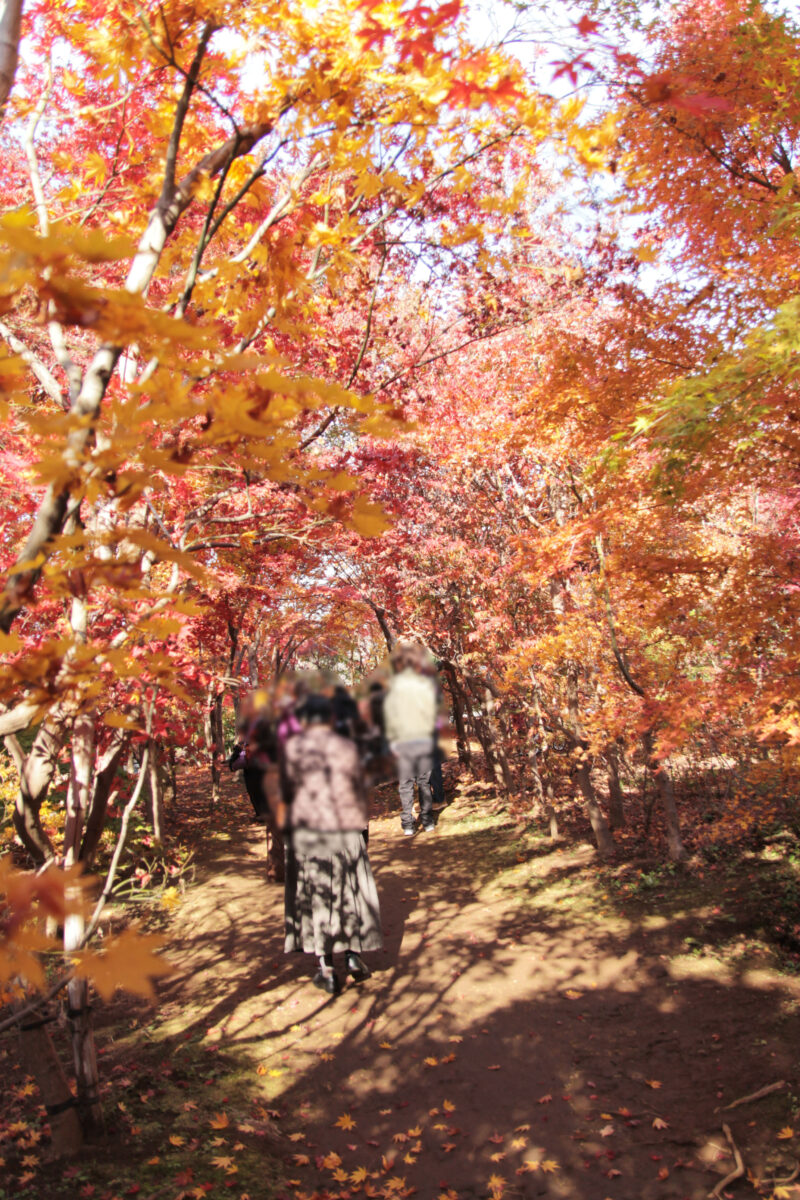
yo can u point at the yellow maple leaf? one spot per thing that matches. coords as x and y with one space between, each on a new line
127 961
653 1083
549 1164
345 1121
448 1106
332 1161
223 1161
359 1175
301 1159
530 1164
431 1062
176 1139
387 1046
785 1133
219 1121
415 1132
497 1185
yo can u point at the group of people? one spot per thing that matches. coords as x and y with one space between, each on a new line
303 754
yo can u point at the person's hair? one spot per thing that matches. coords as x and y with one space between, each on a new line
407 656
315 710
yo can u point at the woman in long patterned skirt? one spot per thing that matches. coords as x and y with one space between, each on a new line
331 899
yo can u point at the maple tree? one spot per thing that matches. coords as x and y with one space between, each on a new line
165 392
305 349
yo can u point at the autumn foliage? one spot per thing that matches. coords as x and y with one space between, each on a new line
308 344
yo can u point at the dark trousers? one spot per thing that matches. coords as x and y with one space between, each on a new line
254 782
414 766
437 781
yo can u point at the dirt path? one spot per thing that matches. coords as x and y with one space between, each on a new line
519 1037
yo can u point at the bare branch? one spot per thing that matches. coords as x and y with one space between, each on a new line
45 377
173 146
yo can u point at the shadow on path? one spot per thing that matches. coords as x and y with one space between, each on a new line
513 1039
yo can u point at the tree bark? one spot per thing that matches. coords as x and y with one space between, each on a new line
156 806
502 769
211 726
10 25
79 1017
459 703
616 800
540 746
36 771
104 774
602 834
659 769
39 1059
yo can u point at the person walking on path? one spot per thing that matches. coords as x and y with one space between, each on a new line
331 901
256 755
410 711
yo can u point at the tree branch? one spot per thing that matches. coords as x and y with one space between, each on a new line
10 24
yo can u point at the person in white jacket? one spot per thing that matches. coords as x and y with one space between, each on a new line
410 711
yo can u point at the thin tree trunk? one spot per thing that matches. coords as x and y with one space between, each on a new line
540 751
616 800
459 714
104 774
502 770
602 834
663 781
218 748
156 805
10 24
79 1018
36 772
209 734
39 1059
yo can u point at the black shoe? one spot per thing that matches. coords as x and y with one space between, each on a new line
357 968
328 983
